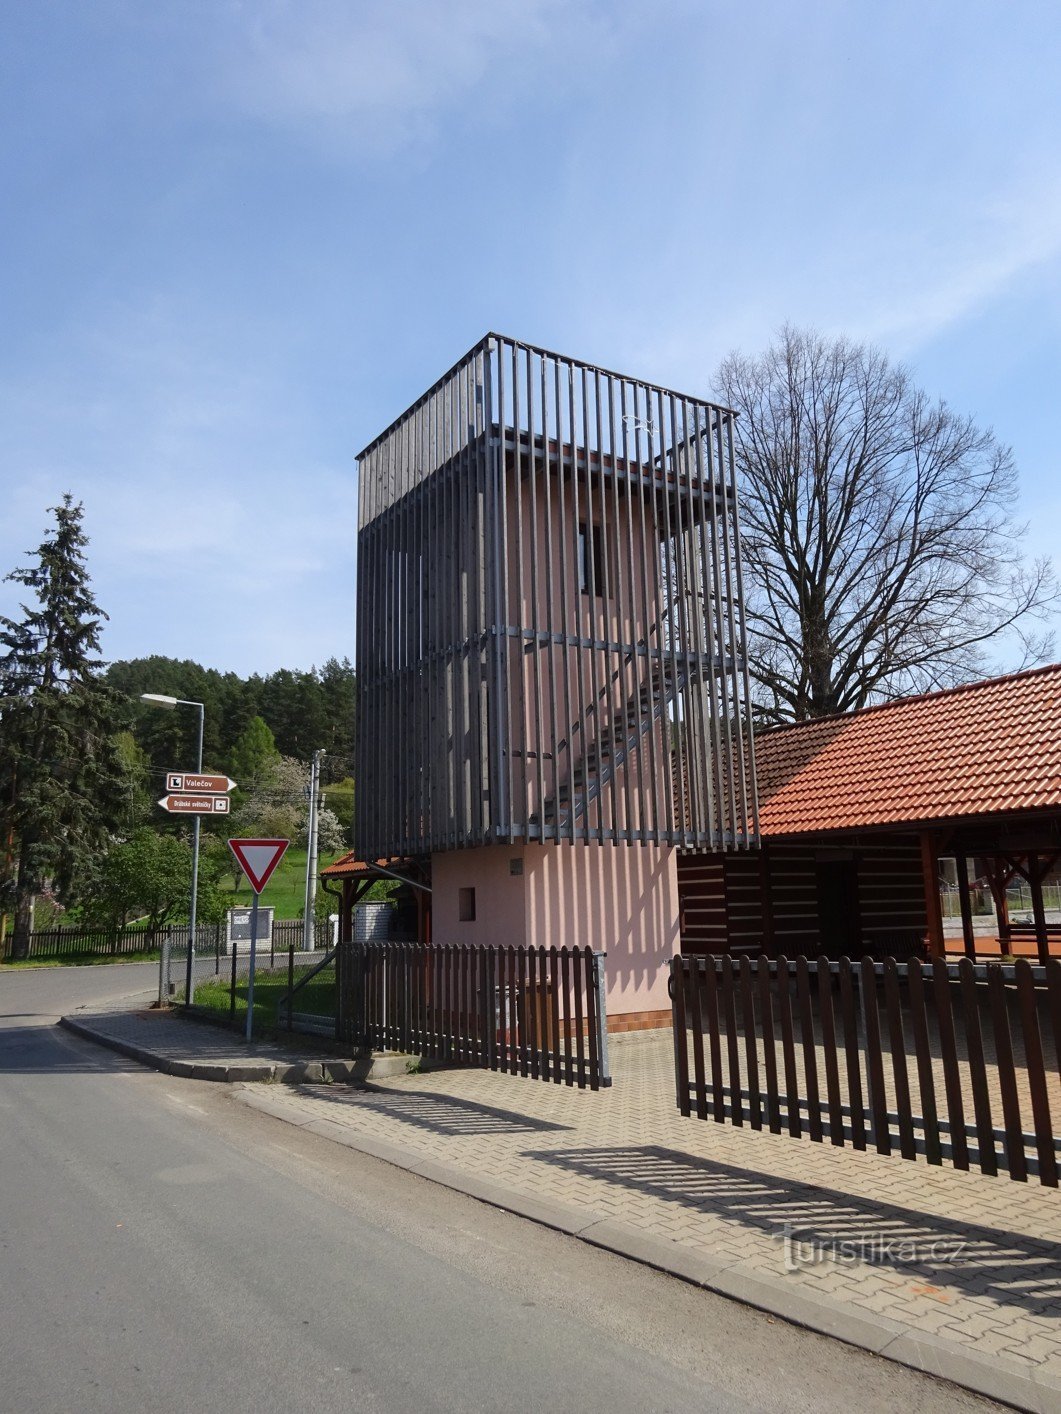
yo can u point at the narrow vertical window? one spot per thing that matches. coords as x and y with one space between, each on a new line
590 560
466 905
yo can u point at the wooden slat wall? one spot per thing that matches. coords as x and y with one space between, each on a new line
722 898
891 889
794 888
702 895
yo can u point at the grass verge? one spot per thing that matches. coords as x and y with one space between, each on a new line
79 960
316 998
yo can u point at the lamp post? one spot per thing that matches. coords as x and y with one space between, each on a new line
169 703
311 851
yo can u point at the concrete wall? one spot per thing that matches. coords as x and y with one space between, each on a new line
616 899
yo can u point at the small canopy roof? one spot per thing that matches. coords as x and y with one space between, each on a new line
989 748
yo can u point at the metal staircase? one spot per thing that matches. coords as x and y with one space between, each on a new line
618 740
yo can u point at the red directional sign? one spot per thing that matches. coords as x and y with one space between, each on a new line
196 804
188 781
258 859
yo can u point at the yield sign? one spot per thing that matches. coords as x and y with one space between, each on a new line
258 859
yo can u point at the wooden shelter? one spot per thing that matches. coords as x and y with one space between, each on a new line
857 811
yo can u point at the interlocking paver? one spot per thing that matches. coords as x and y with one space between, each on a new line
972 1260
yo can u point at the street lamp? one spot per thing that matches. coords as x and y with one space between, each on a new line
157 699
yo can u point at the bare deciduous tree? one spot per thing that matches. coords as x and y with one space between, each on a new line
881 555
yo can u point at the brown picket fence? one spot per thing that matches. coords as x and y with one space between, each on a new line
534 1012
952 1062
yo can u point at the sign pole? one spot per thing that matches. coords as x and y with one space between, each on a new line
189 984
254 946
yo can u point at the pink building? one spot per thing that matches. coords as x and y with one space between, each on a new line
550 655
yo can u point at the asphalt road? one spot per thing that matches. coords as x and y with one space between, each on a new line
164 1248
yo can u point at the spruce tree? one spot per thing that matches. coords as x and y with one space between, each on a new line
63 786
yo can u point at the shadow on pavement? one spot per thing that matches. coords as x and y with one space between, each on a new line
440 1114
814 1224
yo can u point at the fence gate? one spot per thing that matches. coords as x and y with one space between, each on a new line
535 1012
955 1062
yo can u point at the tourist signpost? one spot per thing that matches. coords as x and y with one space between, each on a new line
257 859
195 804
184 781
192 793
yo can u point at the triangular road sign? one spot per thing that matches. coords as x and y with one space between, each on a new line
258 859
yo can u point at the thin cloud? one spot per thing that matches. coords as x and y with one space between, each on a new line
379 73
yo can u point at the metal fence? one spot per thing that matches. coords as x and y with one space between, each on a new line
534 1012
221 981
950 1061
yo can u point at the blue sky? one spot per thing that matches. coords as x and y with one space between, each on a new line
240 237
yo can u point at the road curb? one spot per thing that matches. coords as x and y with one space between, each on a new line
995 1378
310 1072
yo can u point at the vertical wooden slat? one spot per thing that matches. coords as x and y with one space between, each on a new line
1016 1161
926 1084
591 1021
788 1049
766 1011
679 972
1033 1056
718 1098
829 1049
554 982
526 1007
536 992
695 1018
565 974
897 1040
499 1019
948 1050
974 1048
751 1049
729 1012
810 1057
874 1059
1053 985
581 982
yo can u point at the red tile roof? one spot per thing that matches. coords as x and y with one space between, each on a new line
348 866
991 746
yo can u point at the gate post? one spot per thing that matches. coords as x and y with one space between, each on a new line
602 1019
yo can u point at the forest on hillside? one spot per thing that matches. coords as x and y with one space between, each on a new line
304 711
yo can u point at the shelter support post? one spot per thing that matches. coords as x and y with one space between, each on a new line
965 902
933 907
999 875
1039 865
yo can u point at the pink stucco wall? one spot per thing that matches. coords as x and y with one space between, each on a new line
622 900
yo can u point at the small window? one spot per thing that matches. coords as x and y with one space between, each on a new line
591 560
466 905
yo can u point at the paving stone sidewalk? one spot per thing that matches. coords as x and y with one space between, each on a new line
969 1265
954 1273
179 1045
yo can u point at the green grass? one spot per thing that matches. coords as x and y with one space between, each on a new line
317 998
285 891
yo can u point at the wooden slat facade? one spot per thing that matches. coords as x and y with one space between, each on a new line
801 899
549 607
